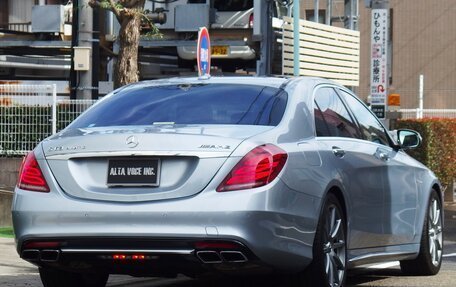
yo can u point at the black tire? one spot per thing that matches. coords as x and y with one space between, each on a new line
328 267
429 258
57 278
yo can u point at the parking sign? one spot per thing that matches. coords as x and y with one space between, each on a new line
203 53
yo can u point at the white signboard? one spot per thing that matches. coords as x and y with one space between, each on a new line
379 57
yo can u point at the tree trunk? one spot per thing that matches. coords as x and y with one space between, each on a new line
126 69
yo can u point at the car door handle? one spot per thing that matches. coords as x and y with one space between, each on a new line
337 151
382 155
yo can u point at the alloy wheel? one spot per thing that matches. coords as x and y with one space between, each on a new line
435 231
334 247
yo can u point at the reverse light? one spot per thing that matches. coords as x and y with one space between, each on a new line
258 168
30 176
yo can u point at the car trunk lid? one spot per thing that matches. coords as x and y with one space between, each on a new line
142 163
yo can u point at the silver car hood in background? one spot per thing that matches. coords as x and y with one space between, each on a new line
189 158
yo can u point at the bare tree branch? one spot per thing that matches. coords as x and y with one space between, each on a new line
97 4
94 4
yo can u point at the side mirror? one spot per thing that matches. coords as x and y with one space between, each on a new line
408 139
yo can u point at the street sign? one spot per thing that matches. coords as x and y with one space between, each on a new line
203 53
379 57
379 111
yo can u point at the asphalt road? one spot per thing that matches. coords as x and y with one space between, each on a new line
15 272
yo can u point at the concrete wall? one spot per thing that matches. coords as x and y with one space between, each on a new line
9 168
424 33
6 198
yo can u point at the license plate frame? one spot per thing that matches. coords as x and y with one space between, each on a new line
219 50
133 172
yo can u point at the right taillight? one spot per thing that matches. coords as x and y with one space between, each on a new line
30 176
251 21
258 168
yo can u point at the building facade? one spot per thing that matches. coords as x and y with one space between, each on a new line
423 42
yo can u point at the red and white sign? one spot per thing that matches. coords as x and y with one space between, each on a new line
203 53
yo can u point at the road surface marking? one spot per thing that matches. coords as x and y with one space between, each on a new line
449 255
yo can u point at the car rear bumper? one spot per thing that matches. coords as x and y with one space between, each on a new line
263 223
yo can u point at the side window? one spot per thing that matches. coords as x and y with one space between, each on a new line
332 117
371 128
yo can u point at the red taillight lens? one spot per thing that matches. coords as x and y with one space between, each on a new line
251 21
30 175
259 167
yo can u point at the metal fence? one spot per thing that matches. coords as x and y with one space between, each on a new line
31 113
428 113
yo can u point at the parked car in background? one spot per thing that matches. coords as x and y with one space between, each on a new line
232 175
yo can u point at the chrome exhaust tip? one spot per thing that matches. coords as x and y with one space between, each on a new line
49 255
209 257
233 256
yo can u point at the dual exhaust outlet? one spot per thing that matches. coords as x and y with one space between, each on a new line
214 257
45 255
206 256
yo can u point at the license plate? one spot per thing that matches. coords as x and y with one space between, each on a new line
133 172
219 50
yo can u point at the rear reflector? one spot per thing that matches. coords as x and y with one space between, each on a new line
216 245
41 244
30 176
258 168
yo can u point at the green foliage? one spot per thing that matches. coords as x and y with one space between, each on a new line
438 150
6 232
106 5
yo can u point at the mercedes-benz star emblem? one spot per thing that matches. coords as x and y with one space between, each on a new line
132 142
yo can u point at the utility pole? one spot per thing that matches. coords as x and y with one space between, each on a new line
262 32
296 18
329 4
85 39
351 14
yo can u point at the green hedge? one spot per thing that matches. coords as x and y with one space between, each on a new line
438 150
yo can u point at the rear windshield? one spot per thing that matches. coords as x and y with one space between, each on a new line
188 104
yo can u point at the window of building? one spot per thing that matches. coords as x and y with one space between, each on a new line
310 16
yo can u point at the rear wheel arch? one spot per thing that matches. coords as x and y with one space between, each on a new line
340 196
437 188
329 264
336 190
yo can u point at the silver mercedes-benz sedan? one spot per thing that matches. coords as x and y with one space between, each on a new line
235 175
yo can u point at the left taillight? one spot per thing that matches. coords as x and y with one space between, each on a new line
257 168
251 21
30 175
